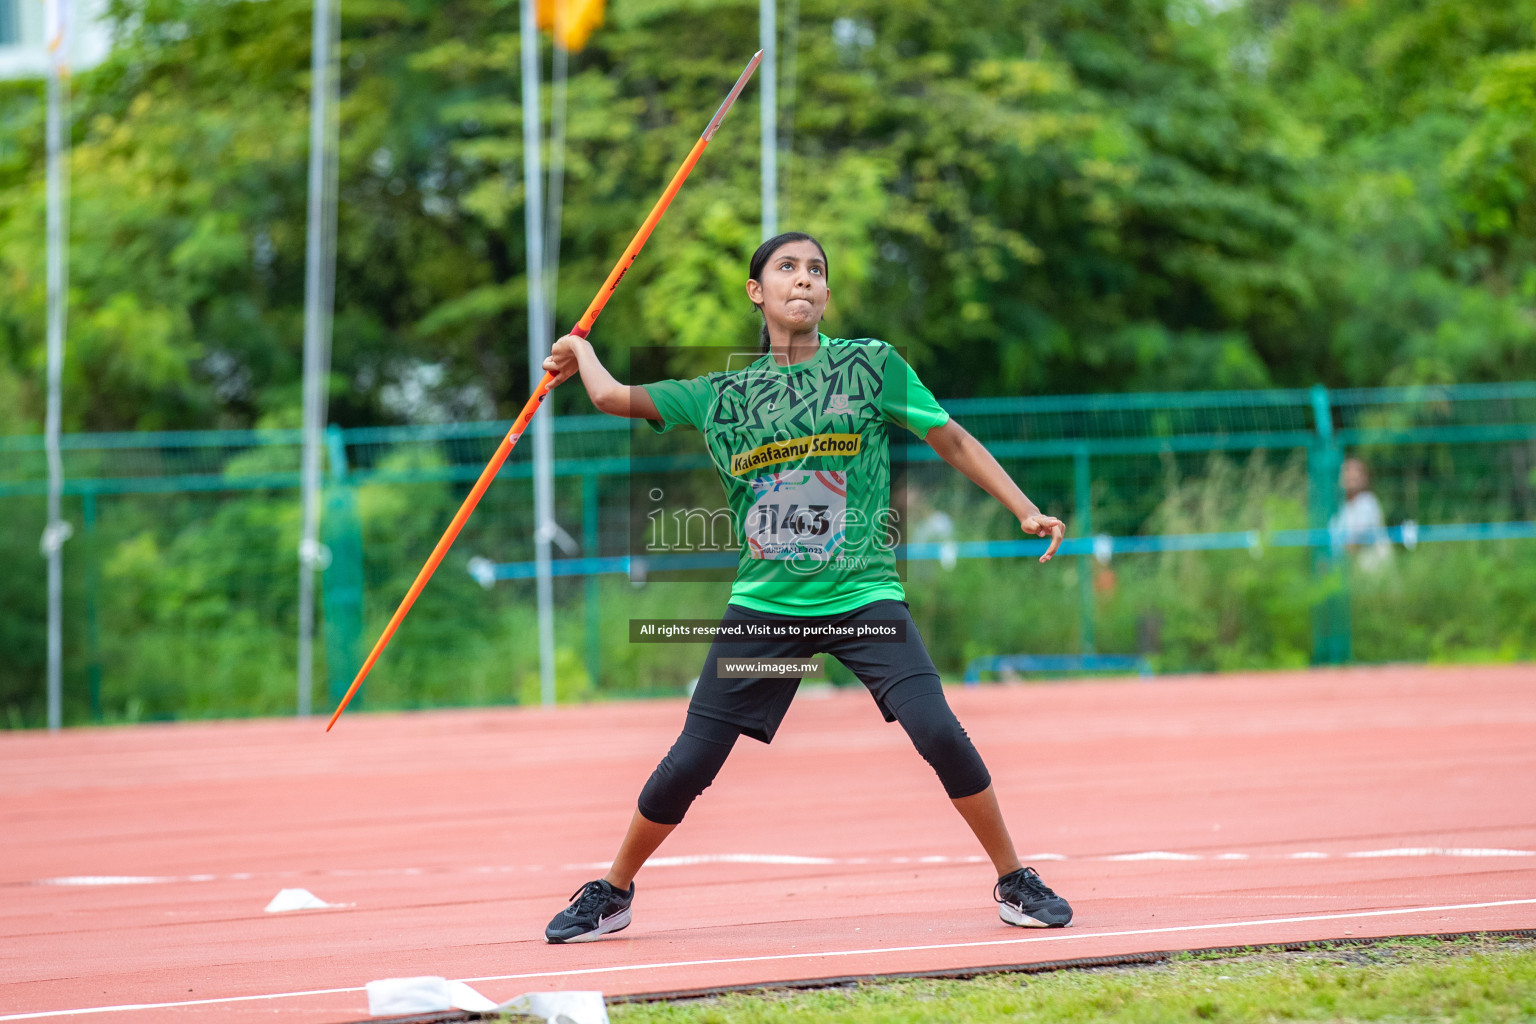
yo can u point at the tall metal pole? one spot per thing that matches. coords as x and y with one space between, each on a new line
319 303
57 530
538 347
769 40
559 75
786 152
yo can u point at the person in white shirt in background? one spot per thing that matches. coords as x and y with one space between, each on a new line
932 526
1360 524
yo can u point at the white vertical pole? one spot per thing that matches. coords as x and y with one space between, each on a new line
538 348
319 299
559 74
555 196
787 101
57 531
768 39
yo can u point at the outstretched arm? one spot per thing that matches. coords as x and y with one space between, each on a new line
572 355
957 447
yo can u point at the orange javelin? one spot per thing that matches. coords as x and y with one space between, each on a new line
583 328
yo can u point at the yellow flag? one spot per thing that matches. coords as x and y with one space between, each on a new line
575 22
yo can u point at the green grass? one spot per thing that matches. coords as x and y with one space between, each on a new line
1484 979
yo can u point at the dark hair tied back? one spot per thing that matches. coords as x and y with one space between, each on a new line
765 253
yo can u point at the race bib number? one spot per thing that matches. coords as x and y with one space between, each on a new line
798 514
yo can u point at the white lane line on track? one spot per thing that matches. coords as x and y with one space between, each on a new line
1435 851
776 859
170 1006
827 954
718 858
113 880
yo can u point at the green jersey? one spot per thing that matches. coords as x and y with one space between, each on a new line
804 455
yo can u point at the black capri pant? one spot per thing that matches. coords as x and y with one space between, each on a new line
899 674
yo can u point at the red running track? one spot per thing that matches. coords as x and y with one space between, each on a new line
1180 813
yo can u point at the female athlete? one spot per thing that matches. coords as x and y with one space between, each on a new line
799 440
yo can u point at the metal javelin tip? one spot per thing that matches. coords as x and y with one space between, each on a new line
741 83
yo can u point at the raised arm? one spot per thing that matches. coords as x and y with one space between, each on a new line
572 355
957 447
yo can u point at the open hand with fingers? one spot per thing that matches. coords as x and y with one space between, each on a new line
1040 526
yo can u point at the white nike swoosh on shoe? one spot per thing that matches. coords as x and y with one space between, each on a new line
605 926
1015 916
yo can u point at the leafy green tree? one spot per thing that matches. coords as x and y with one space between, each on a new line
1061 197
1068 196
1416 108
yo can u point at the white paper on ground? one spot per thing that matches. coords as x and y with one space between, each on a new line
562 1007
423 995
465 998
408 995
393 996
297 899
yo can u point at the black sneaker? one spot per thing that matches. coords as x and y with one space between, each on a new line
596 909
1028 903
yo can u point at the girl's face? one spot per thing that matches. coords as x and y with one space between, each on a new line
793 291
